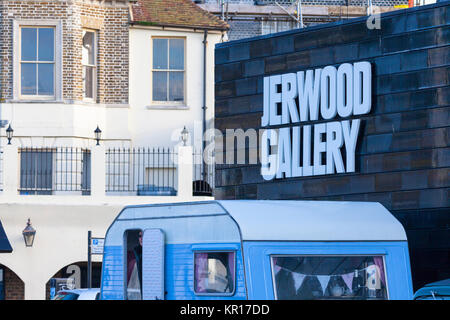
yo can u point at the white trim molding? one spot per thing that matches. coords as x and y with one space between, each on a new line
58 58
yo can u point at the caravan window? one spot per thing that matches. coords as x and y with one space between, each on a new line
329 277
133 269
214 273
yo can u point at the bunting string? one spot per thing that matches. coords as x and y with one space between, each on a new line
373 272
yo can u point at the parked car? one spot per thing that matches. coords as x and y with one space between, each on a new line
78 294
439 290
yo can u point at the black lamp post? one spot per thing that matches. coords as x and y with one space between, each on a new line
9 133
98 135
28 234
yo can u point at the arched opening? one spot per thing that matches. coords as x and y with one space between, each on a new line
73 276
11 286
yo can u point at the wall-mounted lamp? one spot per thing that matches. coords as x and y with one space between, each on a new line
28 234
184 135
9 133
98 135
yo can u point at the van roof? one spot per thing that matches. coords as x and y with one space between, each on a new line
314 220
291 220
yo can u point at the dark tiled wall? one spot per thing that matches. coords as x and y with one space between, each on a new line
403 156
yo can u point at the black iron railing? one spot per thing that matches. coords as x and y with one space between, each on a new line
141 171
44 171
203 175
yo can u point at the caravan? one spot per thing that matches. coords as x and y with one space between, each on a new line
256 249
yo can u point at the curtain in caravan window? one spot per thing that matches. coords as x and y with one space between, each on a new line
201 272
231 266
214 272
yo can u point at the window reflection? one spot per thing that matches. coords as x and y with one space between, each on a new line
88 52
327 277
28 78
45 79
89 64
160 86
176 86
37 61
160 54
36 172
176 58
46 44
29 44
168 69
214 272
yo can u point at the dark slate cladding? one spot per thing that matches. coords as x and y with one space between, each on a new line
403 155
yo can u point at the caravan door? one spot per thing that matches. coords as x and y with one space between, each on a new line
153 265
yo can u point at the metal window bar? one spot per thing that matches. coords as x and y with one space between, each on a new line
44 171
141 171
203 175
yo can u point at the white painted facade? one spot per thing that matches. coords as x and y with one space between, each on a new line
169 119
63 220
139 123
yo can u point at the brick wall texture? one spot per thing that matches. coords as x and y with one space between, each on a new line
109 18
13 285
403 155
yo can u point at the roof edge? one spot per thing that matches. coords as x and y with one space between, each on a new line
179 26
332 24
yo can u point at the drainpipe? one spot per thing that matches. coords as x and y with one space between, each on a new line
205 35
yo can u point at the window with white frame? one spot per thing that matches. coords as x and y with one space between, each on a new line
37 61
214 273
89 61
168 72
273 26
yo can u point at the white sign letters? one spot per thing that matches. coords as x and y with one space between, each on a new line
313 95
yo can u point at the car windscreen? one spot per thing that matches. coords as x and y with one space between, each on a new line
66 296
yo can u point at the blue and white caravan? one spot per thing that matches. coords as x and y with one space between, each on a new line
252 249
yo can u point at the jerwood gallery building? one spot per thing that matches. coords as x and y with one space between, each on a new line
356 110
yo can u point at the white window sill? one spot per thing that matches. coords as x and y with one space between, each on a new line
167 107
35 101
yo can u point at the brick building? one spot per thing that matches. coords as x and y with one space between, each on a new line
139 71
69 21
